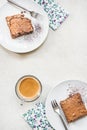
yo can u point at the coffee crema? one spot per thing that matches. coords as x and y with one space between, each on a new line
28 88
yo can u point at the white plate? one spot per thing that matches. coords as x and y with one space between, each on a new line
29 42
61 92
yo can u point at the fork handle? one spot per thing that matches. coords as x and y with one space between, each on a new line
19 6
64 124
62 119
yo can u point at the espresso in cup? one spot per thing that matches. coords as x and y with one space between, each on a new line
28 88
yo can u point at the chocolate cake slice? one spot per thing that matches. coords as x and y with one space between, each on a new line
19 25
73 107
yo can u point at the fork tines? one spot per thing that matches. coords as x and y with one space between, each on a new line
54 104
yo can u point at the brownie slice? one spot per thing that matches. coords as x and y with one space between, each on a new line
19 25
73 107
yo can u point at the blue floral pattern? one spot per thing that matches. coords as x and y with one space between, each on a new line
56 13
36 118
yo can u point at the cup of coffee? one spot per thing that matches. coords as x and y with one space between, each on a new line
28 88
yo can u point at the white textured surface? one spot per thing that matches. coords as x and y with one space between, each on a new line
62 57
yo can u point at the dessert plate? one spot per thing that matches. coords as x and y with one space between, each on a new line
61 92
28 42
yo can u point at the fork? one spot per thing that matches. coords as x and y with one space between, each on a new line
33 13
56 108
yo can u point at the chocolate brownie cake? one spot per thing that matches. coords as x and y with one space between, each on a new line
19 25
73 107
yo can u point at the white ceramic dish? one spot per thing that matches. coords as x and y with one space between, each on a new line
29 42
61 92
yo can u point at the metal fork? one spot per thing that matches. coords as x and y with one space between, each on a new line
57 110
33 13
